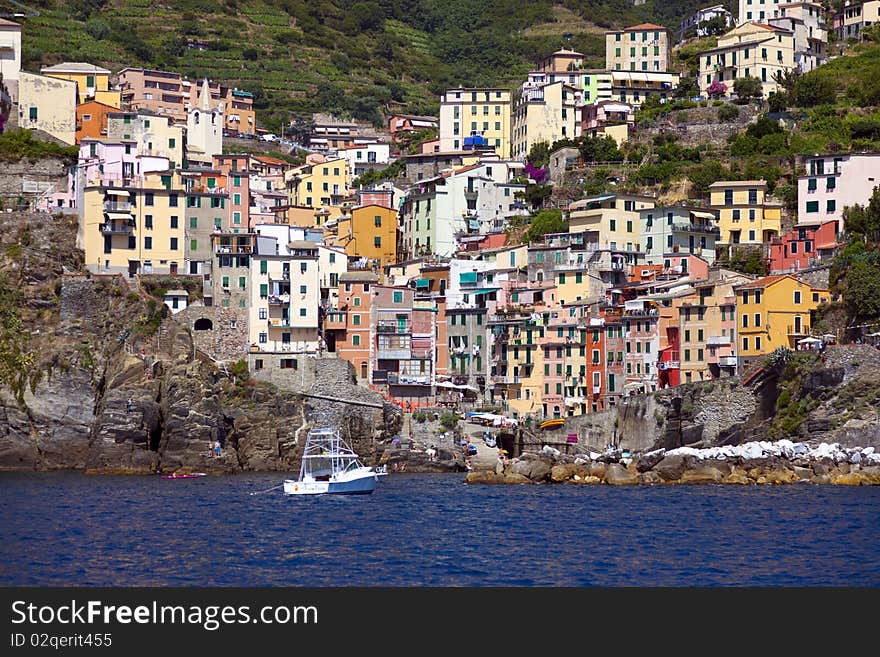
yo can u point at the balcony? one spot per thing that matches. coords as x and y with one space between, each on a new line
421 353
117 228
718 341
727 361
409 379
506 380
394 327
803 329
471 194
696 228
381 376
279 299
283 276
117 206
279 322
394 354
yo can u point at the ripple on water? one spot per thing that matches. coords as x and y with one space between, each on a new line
431 530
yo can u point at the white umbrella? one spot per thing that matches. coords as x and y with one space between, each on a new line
809 340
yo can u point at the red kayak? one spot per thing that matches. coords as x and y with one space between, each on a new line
192 475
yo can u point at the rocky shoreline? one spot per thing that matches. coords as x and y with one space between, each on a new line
782 462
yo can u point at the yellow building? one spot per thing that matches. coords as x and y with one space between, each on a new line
370 232
137 229
467 112
644 47
772 312
744 214
707 327
572 283
545 113
92 82
614 216
156 136
47 104
321 183
749 50
525 371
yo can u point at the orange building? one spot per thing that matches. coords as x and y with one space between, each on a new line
347 328
91 120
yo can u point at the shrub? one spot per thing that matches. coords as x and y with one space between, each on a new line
449 420
727 113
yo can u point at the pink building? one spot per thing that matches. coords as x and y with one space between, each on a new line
802 247
595 117
833 182
237 170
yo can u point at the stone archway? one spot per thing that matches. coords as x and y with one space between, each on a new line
203 324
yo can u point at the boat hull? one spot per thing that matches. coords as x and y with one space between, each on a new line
363 484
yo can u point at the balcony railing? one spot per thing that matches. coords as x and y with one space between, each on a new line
718 340
393 327
697 228
279 299
409 379
117 206
117 228
381 376
727 361
394 354
803 329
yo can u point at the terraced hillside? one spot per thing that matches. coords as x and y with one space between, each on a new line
360 58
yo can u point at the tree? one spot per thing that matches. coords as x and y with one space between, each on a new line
862 296
539 154
748 88
815 88
600 149
716 89
687 88
713 27
862 222
546 221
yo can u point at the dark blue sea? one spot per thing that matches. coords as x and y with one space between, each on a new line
69 529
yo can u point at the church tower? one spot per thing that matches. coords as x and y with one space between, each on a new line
204 128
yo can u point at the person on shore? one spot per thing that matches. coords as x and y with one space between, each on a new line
129 406
217 448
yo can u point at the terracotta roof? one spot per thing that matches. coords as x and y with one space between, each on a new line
770 27
270 160
644 26
763 282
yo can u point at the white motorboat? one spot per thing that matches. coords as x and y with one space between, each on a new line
330 466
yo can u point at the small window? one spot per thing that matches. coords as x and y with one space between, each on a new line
398 296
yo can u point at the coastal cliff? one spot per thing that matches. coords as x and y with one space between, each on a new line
109 382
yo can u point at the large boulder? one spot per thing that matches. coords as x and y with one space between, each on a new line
702 474
617 475
671 467
649 460
536 468
565 471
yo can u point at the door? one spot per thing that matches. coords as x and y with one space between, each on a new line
797 324
133 267
174 269
401 323
363 370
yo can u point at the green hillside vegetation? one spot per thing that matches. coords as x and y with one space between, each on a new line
357 58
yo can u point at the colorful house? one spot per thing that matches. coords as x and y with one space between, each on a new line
745 215
804 246
774 311
370 232
48 104
91 120
92 82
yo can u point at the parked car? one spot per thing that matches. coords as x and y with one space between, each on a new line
269 137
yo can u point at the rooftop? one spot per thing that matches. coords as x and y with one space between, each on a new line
74 67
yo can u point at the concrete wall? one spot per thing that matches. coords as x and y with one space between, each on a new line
54 101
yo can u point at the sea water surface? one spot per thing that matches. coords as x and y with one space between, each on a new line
70 529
